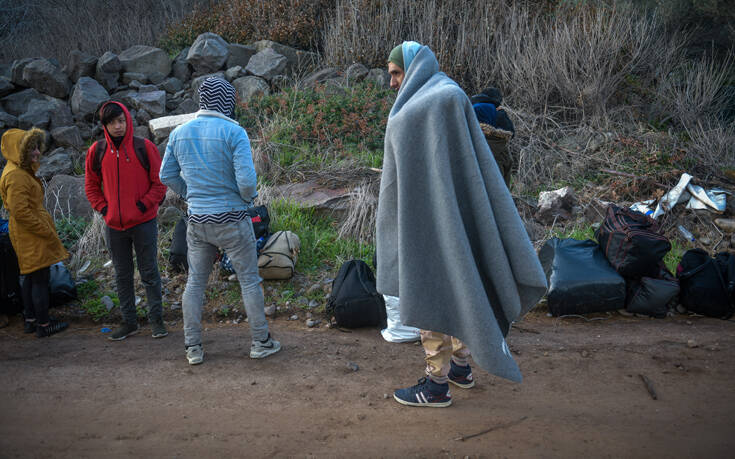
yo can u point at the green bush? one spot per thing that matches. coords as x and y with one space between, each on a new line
70 229
312 126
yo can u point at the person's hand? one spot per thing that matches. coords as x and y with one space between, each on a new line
141 207
104 211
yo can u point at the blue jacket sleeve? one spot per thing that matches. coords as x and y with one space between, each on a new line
170 173
244 168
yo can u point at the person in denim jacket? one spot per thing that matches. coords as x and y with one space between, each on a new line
208 161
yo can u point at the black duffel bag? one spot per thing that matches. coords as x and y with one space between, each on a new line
707 284
651 296
354 301
632 242
581 280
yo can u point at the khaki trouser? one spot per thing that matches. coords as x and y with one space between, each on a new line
440 350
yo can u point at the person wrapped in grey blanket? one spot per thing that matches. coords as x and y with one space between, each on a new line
450 242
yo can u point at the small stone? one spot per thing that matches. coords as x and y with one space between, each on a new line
309 315
107 301
689 322
352 366
386 396
585 354
313 304
232 277
270 310
692 344
294 317
311 323
176 306
313 288
361 417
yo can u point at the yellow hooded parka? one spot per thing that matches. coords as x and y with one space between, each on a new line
32 230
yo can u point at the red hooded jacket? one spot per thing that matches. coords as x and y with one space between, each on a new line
123 181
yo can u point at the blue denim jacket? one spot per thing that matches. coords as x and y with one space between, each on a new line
208 161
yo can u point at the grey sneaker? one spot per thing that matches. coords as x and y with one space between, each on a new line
158 328
262 349
195 354
123 331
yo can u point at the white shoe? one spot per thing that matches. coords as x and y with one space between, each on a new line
195 354
260 350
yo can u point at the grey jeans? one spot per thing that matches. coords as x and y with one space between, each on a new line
144 238
238 241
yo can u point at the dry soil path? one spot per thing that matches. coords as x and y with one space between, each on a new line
79 395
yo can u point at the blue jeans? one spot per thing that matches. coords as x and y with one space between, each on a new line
238 241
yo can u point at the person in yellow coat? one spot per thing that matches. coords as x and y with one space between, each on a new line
32 230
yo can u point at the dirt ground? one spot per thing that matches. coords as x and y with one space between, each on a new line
77 394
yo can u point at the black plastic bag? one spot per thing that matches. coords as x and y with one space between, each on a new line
355 301
651 296
61 286
707 284
581 280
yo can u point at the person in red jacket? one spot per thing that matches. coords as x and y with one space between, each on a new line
121 183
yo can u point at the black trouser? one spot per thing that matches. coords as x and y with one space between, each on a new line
144 238
35 292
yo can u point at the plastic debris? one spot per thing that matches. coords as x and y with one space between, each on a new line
685 233
672 198
714 200
105 330
644 207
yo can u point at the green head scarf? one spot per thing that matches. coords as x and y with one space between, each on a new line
396 56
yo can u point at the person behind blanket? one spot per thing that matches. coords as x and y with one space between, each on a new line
32 230
208 161
449 239
497 127
119 187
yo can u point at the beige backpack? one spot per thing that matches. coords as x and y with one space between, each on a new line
279 255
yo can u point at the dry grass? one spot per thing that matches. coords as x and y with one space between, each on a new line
54 28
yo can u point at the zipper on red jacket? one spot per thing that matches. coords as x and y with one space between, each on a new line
119 207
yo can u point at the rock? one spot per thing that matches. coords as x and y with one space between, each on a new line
294 317
38 115
107 302
129 77
85 130
692 344
108 63
313 304
239 55
297 60
68 136
555 204
249 87
270 310
208 53
356 73
142 132
57 162
162 127
379 77
17 103
87 95
145 59
60 113
352 366
46 78
180 68
6 86
80 64
153 102
8 120
143 117
156 77
169 215
147 88
17 69
234 73
311 195
267 64
171 85
108 70
726 224
186 106
320 76
311 323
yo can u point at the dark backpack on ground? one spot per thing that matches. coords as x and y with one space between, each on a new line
651 296
62 288
632 243
707 284
260 218
354 301
138 145
10 297
178 251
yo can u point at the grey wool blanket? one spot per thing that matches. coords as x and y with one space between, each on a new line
450 242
